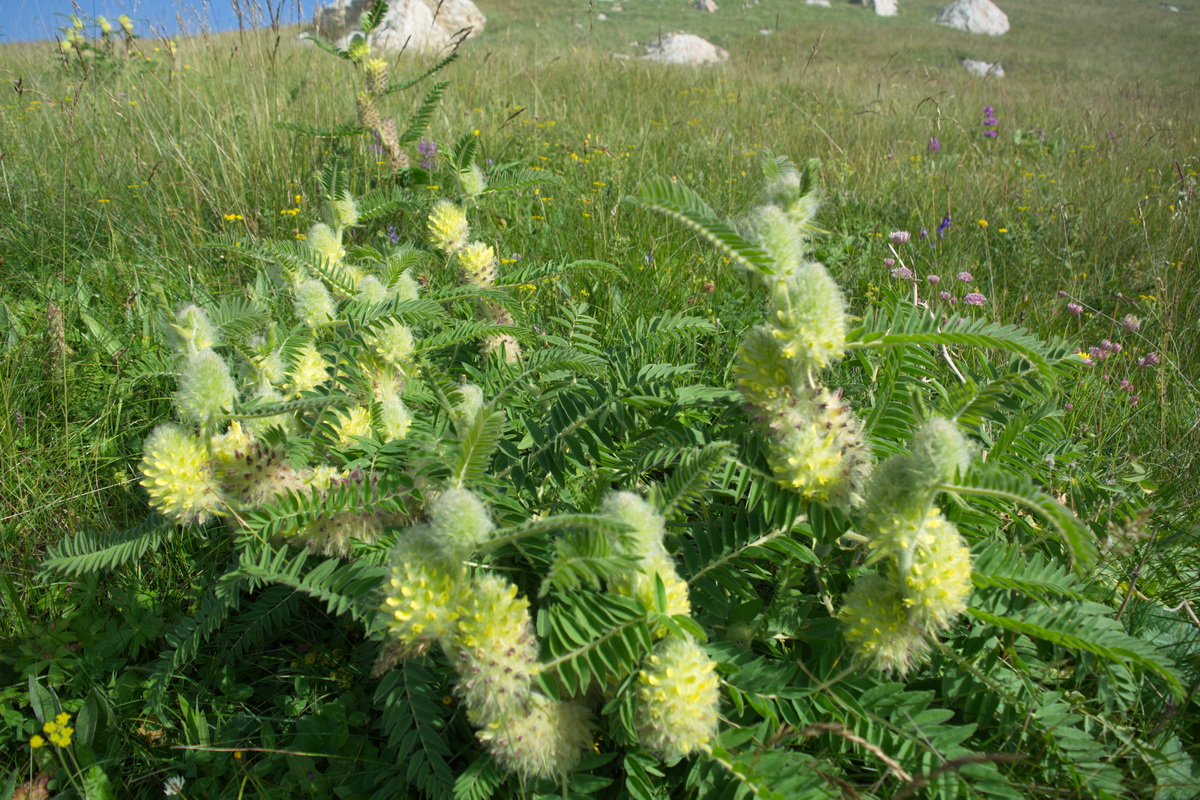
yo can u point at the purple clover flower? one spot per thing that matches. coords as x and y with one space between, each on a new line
1131 323
1148 360
974 299
899 237
947 297
889 262
934 145
1074 309
933 280
965 277
903 273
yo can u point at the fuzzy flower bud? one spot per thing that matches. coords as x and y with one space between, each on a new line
358 48
105 26
648 526
678 699
176 474
448 229
365 112
269 368
642 585
503 343
323 241
772 228
310 371
478 264
377 75
940 444
470 404
876 624
192 332
458 523
126 24
764 377
404 287
544 741
344 211
472 181
370 290
314 306
395 419
206 389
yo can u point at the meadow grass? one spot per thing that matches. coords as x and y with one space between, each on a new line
117 180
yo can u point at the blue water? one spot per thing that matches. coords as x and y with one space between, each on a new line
34 20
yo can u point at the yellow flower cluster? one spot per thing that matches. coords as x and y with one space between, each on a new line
448 228
58 730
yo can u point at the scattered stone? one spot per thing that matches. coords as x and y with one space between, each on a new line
423 26
601 16
684 48
821 3
883 8
765 31
704 5
975 16
1172 8
984 69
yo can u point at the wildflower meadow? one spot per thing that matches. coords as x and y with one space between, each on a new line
528 419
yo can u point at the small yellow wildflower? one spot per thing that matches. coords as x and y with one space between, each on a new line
37 741
232 217
983 223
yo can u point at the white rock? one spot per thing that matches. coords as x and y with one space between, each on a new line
684 48
975 16
423 26
601 16
822 3
704 5
884 8
984 69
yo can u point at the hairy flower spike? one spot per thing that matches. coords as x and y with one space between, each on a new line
177 476
469 406
325 242
310 371
206 389
478 264
458 523
764 377
545 741
424 592
678 699
937 582
377 76
393 342
405 287
807 314
448 229
819 449
314 306
876 624
494 651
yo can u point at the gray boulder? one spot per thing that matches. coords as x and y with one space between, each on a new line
684 48
984 69
423 26
975 16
